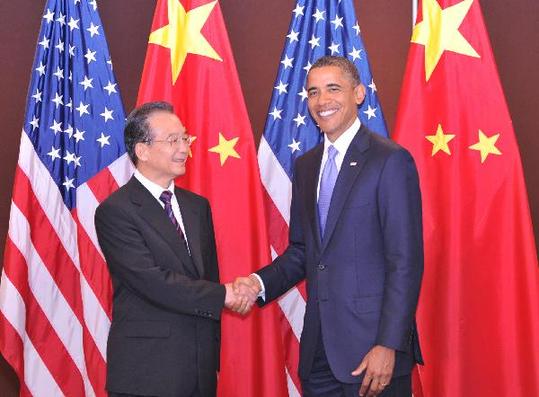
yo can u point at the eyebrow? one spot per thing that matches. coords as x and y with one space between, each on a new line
179 133
333 85
173 134
330 85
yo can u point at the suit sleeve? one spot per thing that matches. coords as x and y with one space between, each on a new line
210 254
289 268
399 203
132 263
212 269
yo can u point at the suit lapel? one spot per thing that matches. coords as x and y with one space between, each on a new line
353 162
311 186
191 222
152 212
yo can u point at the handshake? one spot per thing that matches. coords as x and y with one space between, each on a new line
242 294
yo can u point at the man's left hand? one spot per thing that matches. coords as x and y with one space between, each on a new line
378 365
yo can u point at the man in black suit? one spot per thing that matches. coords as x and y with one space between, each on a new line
159 244
356 237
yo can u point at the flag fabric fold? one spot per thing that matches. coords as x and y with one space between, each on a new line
478 313
55 289
189 63
317 28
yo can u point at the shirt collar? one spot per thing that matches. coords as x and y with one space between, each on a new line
343 142
152 187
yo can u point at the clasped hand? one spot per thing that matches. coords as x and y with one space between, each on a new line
242 294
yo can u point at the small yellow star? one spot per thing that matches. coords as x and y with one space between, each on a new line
225 148
440 141
438 32
183 34
193 138
486 145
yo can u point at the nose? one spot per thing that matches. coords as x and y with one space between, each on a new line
323 97
183 149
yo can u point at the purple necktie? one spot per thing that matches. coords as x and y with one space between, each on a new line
166 198
327 183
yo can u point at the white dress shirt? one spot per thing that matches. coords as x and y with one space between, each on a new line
156 190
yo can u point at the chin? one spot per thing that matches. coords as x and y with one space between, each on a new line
326 125
327 129
178 171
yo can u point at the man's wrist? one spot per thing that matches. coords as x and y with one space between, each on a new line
257 279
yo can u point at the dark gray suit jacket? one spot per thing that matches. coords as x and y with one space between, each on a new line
363 277
164 337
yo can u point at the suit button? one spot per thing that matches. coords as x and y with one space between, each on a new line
321 266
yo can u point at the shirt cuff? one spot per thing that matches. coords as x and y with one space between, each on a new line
262 293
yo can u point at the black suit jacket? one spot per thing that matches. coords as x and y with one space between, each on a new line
363 277
164 336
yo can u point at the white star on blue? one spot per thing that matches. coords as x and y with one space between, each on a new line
330 27
61 79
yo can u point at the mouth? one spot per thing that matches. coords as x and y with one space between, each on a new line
326 112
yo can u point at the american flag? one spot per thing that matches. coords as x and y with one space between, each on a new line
55 292
322 27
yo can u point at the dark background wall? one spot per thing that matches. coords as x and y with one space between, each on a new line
256 29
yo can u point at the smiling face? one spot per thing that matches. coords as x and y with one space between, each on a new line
333 99
160 160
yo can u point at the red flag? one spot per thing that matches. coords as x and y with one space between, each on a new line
189 63
479 307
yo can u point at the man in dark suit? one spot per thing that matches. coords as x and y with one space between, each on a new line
159 245
356 237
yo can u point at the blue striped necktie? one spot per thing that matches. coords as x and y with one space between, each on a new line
327 183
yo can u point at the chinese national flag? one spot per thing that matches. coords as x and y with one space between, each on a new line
189 63
478 315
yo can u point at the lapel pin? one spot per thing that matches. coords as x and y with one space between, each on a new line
353 164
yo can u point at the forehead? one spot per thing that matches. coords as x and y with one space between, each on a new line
326 75
164 124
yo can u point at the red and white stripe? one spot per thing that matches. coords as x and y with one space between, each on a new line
278 188
55 291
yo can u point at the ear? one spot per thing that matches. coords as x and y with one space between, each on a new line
359 93
142 152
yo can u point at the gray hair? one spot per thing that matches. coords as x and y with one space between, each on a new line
137 128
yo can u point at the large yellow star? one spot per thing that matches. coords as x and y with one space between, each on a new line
183 34
225 148
440 141
486 145
438 32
